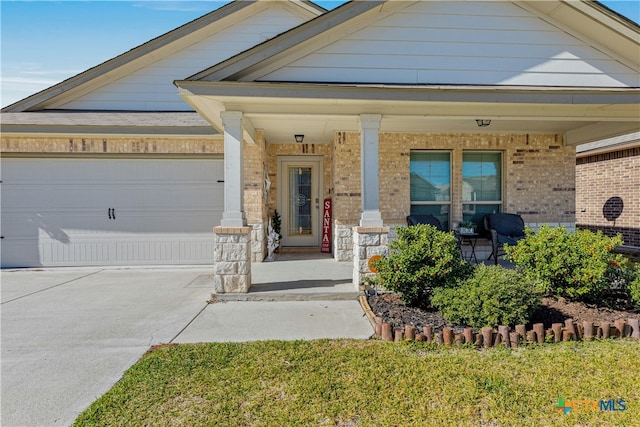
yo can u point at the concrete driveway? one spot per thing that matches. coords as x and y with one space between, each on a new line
69 334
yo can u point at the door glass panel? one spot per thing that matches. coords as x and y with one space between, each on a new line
300 201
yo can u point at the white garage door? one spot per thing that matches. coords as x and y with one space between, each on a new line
72 212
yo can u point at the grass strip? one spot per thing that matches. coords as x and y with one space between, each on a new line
371 383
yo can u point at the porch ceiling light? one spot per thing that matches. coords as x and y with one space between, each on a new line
483 123
299 138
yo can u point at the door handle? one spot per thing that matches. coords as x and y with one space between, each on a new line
109 213
113 213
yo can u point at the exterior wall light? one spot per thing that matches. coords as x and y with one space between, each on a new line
483 123
299 138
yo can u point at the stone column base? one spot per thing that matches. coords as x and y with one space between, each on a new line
232 259
367 242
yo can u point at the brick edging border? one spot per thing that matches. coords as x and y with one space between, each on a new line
489 337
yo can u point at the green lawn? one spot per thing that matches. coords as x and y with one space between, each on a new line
371 383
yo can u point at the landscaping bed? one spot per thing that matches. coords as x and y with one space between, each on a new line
566 286
390 308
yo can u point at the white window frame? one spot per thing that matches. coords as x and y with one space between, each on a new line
435 202
500 202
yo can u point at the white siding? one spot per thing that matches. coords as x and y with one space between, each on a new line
152 89
483 43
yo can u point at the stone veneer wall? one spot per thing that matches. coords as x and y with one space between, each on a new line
538 177
232 259
600 179
368 242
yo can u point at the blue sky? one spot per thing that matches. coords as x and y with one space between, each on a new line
45 42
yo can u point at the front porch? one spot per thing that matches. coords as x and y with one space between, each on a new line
316 276
298 276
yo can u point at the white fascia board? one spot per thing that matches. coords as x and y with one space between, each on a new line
308 6
491 94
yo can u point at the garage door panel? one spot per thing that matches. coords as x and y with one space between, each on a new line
53 253
59 211
57 225
190 248
20 253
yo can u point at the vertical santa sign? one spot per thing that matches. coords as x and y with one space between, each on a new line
326 226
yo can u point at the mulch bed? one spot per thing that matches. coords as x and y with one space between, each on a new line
389 307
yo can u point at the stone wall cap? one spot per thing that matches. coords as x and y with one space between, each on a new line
363 230
232 230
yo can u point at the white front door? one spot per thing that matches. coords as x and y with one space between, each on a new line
299 200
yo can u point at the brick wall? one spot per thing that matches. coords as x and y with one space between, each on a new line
539 174
255 204
347 200
608 193
119 145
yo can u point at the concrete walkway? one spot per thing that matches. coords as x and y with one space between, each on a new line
69 334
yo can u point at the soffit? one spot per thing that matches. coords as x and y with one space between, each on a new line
282 110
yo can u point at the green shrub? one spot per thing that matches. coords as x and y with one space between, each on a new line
567 264
633 288
421 259
492 296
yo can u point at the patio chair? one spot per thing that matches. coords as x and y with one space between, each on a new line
425 219
505 228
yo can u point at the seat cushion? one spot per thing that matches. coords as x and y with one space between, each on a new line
508 240
424 219
509 225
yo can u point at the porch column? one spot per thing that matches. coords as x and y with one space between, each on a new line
233 215
232 253
369 175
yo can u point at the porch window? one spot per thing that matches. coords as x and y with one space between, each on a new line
481 184
430 182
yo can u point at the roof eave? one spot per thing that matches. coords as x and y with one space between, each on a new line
440 93
77 131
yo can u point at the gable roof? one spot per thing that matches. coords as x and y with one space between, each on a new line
148 52
590 21
288 84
